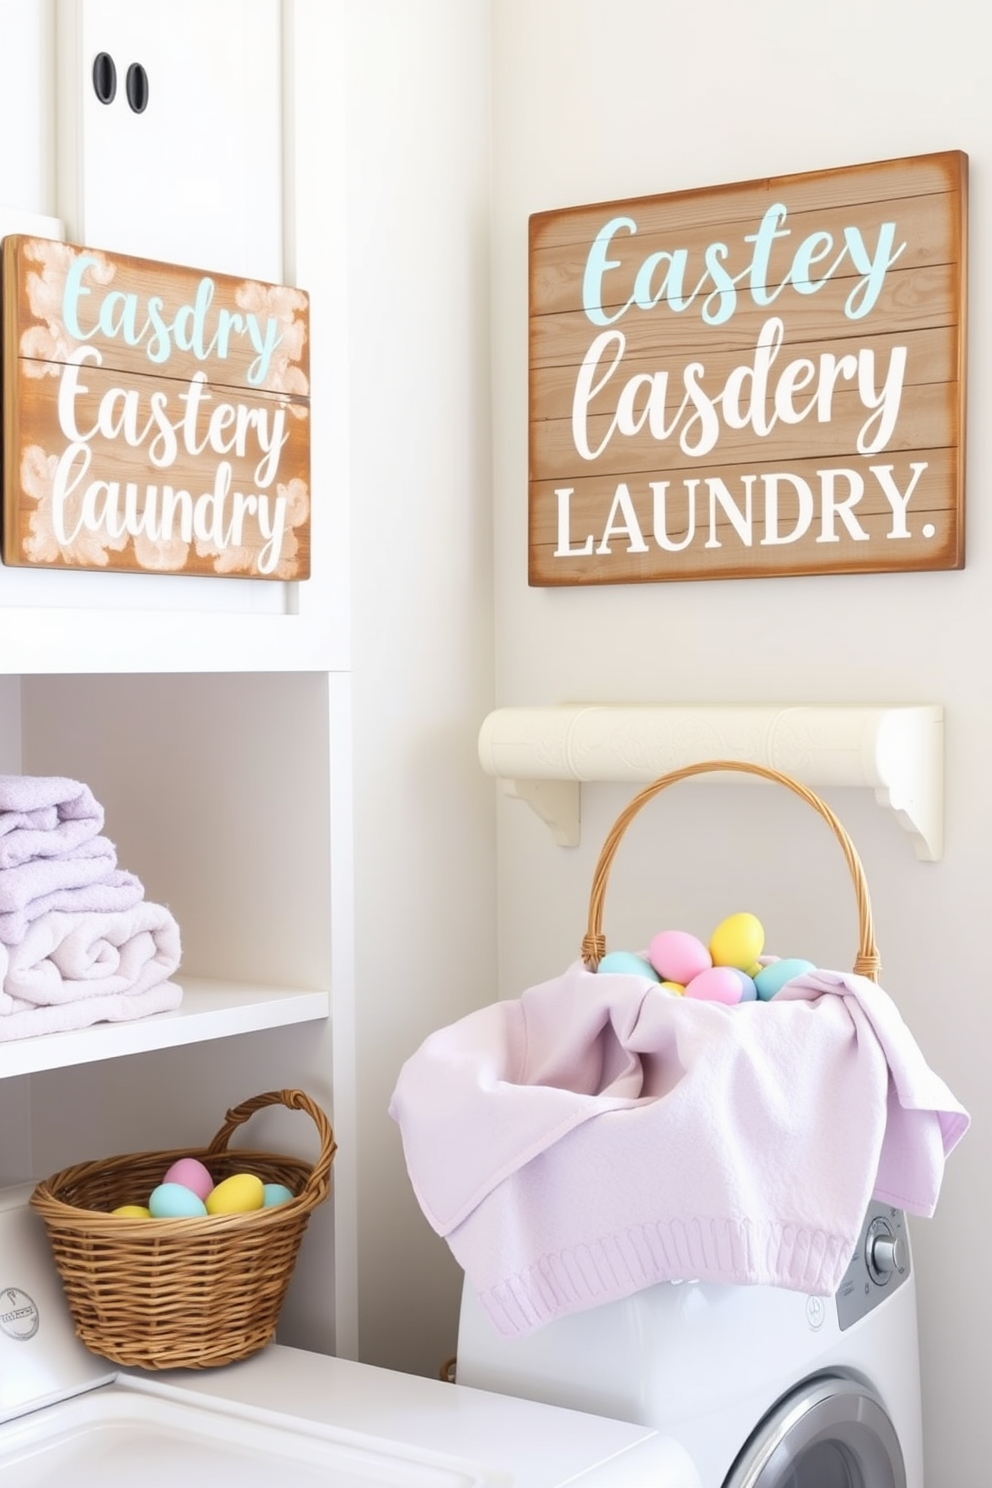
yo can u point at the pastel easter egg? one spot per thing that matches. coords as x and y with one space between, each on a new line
773 977
628 964
132 1211
175 1201
675 988
678 956
238 1194
191 1173
717 984
275 1193
737 941
749 990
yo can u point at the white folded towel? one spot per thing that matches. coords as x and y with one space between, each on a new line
119 1007
72 957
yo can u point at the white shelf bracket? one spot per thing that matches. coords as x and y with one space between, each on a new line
557 803
541 755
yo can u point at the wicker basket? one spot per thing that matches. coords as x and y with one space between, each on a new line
181 1293
593 949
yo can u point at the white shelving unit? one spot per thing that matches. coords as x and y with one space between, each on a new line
211 719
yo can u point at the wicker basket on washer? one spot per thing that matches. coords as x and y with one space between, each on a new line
181 1293
593 948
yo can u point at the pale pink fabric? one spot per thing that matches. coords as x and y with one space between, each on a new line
599 1135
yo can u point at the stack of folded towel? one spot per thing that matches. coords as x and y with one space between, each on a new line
79 943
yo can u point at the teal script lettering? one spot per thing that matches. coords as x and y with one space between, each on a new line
118 314
663 276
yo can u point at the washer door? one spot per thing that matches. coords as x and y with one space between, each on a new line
828 1433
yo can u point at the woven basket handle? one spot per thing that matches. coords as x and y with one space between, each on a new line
317 1185
594 942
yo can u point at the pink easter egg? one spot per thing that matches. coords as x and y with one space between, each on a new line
678 956
191 1173
716 984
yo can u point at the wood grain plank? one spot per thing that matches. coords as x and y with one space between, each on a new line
930 357
928 417
922 224
717 550
143 299
919 298
840 190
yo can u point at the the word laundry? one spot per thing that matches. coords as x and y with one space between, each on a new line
115 509
773 509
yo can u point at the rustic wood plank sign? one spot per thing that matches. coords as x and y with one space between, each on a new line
156 418
759 379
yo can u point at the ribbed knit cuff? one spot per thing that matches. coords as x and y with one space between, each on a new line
614 1266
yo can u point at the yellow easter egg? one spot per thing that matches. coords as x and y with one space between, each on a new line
674 987
238 1194
132 1211
737 941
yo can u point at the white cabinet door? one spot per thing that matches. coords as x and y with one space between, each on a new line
186 166
27 163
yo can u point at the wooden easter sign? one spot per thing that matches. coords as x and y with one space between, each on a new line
760 379
156 418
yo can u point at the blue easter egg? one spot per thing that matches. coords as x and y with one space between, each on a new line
275 1193
175 1201
628 964
773 977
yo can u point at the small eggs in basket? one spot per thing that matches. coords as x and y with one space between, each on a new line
729 969
188 1191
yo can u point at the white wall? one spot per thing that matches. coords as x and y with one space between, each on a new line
596 101
418 311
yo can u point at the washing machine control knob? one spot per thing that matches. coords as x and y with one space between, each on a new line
885 1254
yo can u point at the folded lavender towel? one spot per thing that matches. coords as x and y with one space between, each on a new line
118 891
68 957
87 863
119 1007
44 816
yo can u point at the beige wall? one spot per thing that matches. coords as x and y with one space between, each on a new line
593 102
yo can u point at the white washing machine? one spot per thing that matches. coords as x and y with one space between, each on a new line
766 1388
67 1417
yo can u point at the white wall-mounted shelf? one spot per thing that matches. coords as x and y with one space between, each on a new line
542 755
209 1010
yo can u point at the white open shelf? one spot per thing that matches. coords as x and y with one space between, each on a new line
209 1010
541 755
40 641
